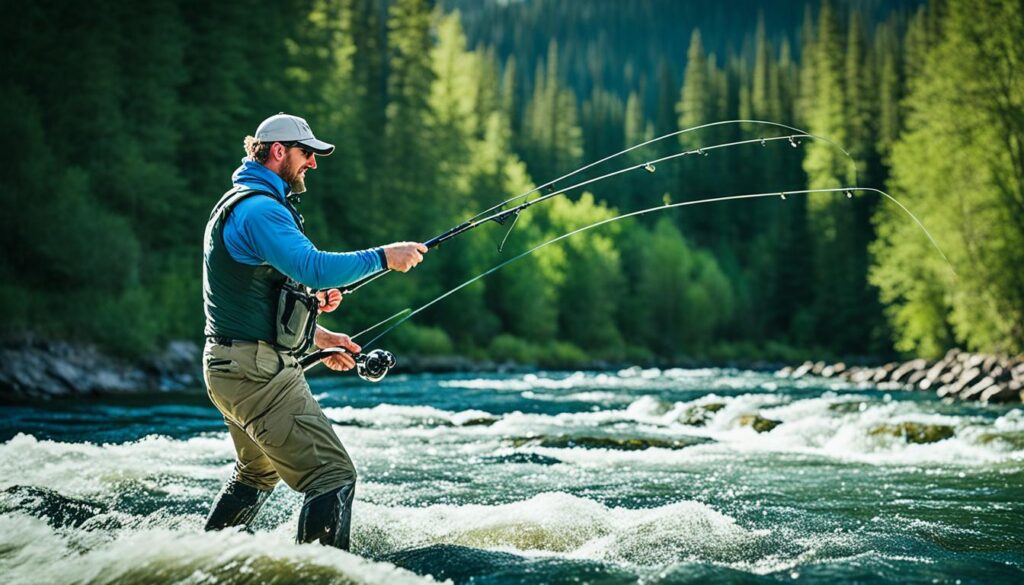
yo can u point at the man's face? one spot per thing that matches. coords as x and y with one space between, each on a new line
293 169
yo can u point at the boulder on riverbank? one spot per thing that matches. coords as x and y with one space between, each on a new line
33 368
959 374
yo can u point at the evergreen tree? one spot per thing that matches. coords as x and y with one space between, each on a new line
805 97
696 105
411 156
552 138
889 90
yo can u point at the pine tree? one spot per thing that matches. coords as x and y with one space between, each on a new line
889 90
695 106
805 97
411 157
552 138
762 74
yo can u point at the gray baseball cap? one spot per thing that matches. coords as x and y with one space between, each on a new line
286 128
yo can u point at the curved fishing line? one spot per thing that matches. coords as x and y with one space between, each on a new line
847 190
663 137
501 216
647 165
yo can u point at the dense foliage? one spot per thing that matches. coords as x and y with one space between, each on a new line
125 122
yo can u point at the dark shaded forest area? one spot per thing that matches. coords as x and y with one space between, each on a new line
125 122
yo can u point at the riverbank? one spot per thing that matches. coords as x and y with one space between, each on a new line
33 368
959 374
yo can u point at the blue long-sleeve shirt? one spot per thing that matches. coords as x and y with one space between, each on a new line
260 230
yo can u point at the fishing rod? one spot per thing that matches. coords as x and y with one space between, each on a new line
312 359
502 216
373 366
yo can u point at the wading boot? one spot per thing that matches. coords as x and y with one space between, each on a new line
236 505
328 517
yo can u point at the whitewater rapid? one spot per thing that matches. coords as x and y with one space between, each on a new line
653 475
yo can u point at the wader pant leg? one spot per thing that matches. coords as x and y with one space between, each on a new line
275 423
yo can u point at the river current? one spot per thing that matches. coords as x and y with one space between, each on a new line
637 476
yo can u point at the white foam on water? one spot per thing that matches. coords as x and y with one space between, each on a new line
1011 421
87 469
596 396
651 379
526 382
560 524
823 426
31 552
392 415
809 426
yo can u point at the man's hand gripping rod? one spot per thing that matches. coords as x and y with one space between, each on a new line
371 366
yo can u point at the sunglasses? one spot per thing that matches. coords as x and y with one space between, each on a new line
305 149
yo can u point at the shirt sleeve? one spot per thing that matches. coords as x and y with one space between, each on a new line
262 231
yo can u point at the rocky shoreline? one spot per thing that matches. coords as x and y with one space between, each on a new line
959 374
32 368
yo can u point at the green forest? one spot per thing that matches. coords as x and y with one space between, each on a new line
125 121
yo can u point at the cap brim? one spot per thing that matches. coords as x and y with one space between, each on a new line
318 146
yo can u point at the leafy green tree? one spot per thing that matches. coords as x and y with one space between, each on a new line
589 272
959 168
684 295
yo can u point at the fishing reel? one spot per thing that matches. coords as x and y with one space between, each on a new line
373 366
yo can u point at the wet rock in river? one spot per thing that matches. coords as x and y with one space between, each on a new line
530 458
58 511
914 432
758 422
479 421
615 443
1012 439
847 407
699 414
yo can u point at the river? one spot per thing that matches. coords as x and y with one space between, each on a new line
637 476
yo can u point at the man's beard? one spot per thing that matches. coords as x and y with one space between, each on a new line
293 176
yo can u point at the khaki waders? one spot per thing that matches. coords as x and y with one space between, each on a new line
278 429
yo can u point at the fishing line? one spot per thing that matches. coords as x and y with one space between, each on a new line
311 359
502 216
845 190
853 165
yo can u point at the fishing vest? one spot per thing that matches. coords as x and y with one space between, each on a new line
240 301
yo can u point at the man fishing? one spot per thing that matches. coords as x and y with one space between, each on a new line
259 271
